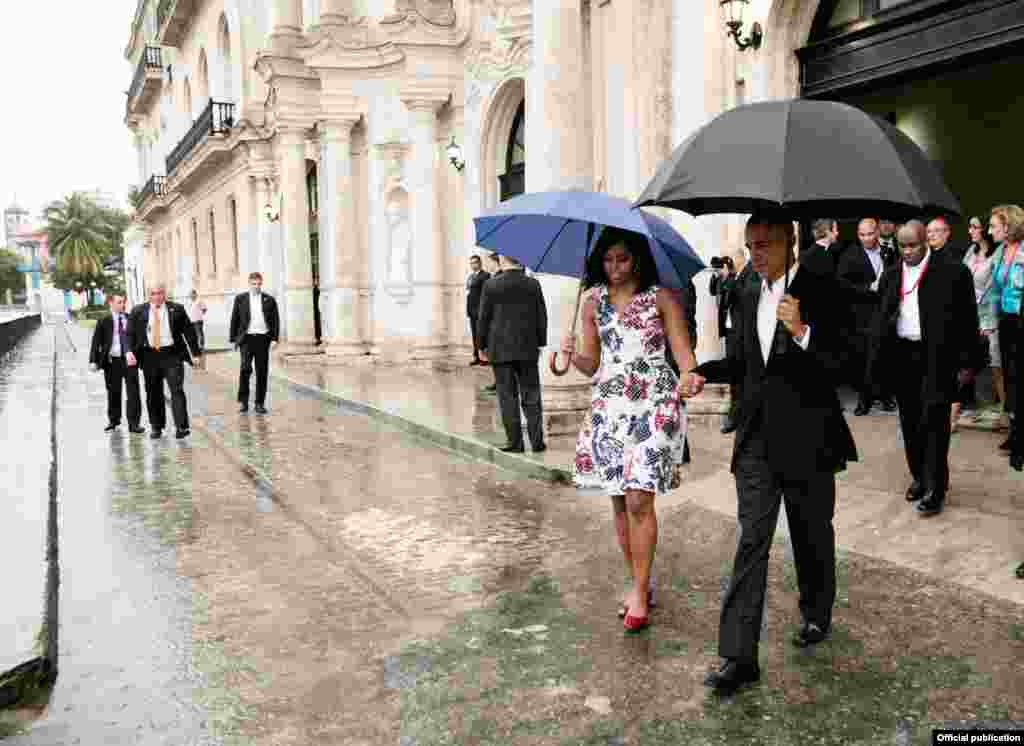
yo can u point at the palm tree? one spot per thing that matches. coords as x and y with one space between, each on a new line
79 233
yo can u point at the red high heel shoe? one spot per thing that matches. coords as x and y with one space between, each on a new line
636 623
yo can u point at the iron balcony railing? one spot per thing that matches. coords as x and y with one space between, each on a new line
217 119
153 188
162 11
151 60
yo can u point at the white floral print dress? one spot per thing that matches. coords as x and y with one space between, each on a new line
634 435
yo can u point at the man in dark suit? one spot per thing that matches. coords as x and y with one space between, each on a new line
255 327
926 341
790 441
887 242
825 251
724 286
474 289
513 326
162 339
938 234
109 353
859 274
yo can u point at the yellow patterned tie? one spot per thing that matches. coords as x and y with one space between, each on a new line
156 330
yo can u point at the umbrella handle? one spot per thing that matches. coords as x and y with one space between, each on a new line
553 361
553 364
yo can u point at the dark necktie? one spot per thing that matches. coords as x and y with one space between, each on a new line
122 335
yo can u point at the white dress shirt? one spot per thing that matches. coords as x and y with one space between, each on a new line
166 338
767 314
115 343
908 325
257 323
875 257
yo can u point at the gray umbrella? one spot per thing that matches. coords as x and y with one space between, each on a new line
807 158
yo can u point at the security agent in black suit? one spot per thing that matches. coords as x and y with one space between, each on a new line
474 289
162 339
859 273
824 253
724 286
254 334
926 341
790 441
109 353
513 326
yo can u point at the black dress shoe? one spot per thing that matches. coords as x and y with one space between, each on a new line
915 491
862 409
243 408
183 433
260 409
541 448
136 429
809 634
111 426
732 675
1019 572
475 362
729 426
931 504
889 405
155 435
492 389
512 449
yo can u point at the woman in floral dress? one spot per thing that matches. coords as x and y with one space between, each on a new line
632 444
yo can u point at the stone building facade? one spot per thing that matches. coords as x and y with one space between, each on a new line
306 139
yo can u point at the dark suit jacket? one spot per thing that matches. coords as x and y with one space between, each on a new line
186 343
791 401
513 321
821 260
855 275
241 315
949 327
476 289
103 340
722 288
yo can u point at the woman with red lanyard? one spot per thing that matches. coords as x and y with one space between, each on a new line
1007 228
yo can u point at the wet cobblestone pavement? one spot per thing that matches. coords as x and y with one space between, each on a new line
373 589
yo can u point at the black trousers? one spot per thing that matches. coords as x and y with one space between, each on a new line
735 388
117 375
255 348
200 334
810 505
519 383
476 337
925 426
1009 338
159 366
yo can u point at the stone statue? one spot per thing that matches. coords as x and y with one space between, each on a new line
400 240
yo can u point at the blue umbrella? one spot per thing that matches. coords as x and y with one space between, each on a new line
554 232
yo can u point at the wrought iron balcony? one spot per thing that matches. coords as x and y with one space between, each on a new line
147 81
217 119
153 188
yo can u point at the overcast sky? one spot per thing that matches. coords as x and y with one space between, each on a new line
63 81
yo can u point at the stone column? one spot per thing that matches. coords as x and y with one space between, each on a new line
559 156
285 24
428 256
340 259
298 274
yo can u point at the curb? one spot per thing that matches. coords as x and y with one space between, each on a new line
461 444
456 443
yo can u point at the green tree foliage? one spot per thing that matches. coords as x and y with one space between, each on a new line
10 278
84 237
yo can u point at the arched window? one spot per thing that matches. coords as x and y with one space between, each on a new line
835 16
233 217
213 245
187 102
513 182
226 74
203 81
